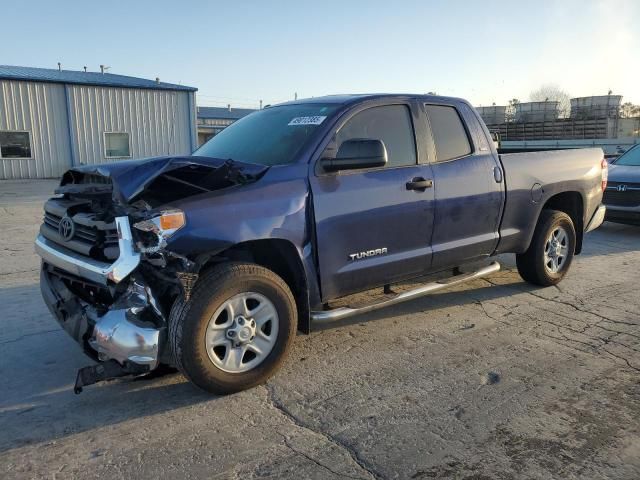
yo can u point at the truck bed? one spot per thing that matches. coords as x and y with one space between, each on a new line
535 178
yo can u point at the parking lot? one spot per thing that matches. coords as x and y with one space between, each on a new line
494 379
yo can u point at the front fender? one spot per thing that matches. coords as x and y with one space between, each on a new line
273 207
277 207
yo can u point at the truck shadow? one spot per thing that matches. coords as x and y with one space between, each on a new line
52 415
37 404
472 293
37 371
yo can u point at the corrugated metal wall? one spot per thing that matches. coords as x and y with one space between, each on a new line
159 122
39 108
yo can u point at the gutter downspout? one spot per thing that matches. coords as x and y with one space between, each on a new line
72 143
192 121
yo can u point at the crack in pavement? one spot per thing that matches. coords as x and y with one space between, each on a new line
591 348
313 460
579 309
353 454
6 274
624 359
22 337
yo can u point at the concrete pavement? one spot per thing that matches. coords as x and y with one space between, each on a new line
494 379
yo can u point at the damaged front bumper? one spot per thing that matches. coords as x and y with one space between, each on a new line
126 333
122 334
96 271
129 334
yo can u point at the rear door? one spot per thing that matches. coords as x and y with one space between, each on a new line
468 187
371 229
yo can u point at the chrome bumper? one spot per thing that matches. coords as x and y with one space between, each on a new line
124 333
121 335
94 270
115 337
597 219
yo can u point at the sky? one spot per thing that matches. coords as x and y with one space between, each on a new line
240 52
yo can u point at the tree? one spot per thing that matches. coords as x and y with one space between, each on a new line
511 110
629 110
553 93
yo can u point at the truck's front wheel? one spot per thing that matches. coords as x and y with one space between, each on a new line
235 330
548 258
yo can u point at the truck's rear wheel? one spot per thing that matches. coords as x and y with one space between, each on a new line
550 254
235 330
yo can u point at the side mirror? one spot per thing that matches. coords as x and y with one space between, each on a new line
495 137
357 153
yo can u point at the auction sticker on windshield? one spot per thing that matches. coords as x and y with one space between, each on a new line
314 120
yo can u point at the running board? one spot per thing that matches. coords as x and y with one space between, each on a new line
327 316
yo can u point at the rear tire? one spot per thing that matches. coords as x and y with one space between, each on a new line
221 339
549 256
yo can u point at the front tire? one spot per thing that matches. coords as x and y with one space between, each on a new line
236 329
549 256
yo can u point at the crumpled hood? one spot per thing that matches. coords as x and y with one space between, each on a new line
624 173
131 177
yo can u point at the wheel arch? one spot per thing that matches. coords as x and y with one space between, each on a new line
278 255
572 204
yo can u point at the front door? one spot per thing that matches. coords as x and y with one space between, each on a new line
374 226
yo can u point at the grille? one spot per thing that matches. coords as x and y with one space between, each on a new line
99 243
627 198
82 233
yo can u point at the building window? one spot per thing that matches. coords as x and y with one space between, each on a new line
15 144
116 145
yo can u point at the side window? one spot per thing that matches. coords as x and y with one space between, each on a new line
449 134
391 124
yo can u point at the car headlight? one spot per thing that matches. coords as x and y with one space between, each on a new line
163 225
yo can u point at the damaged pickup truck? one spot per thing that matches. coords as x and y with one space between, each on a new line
212 262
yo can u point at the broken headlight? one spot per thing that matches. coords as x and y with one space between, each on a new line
162 226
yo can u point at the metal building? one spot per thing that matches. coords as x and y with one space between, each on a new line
212 120
493 114
51 120
599 106
537 111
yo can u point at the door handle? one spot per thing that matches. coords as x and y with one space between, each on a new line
497 174
419 183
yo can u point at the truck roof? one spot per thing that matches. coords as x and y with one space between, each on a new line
350 98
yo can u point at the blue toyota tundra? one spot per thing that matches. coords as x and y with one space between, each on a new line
212 262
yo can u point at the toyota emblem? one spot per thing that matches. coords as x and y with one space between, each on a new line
66 228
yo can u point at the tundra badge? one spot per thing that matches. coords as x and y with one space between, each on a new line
368 253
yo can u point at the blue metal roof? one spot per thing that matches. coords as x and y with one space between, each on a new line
32 74
223 113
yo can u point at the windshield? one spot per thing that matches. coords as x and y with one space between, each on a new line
272 136
631 158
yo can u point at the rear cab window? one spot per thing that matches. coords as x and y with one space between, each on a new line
449 135
390 123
